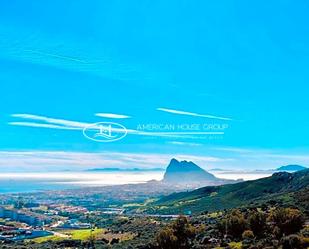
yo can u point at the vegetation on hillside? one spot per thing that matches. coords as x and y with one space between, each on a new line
285 188
258 228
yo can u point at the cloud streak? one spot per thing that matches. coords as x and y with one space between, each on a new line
39 160
39 125
59 56
192 114
66 160
54 123
65 124
184 143
112 115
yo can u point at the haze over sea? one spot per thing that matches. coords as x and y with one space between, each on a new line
40 181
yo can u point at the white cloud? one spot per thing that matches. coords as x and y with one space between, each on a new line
38 160
192 114
59 160
59 56
61 122
39 125
235 150
112 115
184 143
54 123
78 56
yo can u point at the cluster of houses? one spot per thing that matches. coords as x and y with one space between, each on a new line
67 208
8 232
25 216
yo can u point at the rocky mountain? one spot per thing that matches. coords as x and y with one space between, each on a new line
188 173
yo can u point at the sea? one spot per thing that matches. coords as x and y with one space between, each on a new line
42 181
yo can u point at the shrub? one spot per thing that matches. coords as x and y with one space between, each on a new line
167 239
176 236
257 223
288 220
292 242
235 224
247 234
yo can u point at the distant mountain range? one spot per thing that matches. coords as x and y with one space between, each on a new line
288 188
188 173
196 173
121 169
292 167
289 168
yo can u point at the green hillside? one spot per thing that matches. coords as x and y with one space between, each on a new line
283 187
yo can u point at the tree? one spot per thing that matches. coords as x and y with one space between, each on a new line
166 239
234 224
178 235
288 220
257 223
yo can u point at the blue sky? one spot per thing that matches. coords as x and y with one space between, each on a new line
158 62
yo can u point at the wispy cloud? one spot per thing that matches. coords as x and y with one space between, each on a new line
37 160
112 115
236 150
192 114
39 125
61 123
59 56
55 123
184 143
56 160
24 45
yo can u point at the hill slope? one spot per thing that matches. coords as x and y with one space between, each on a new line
279 186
